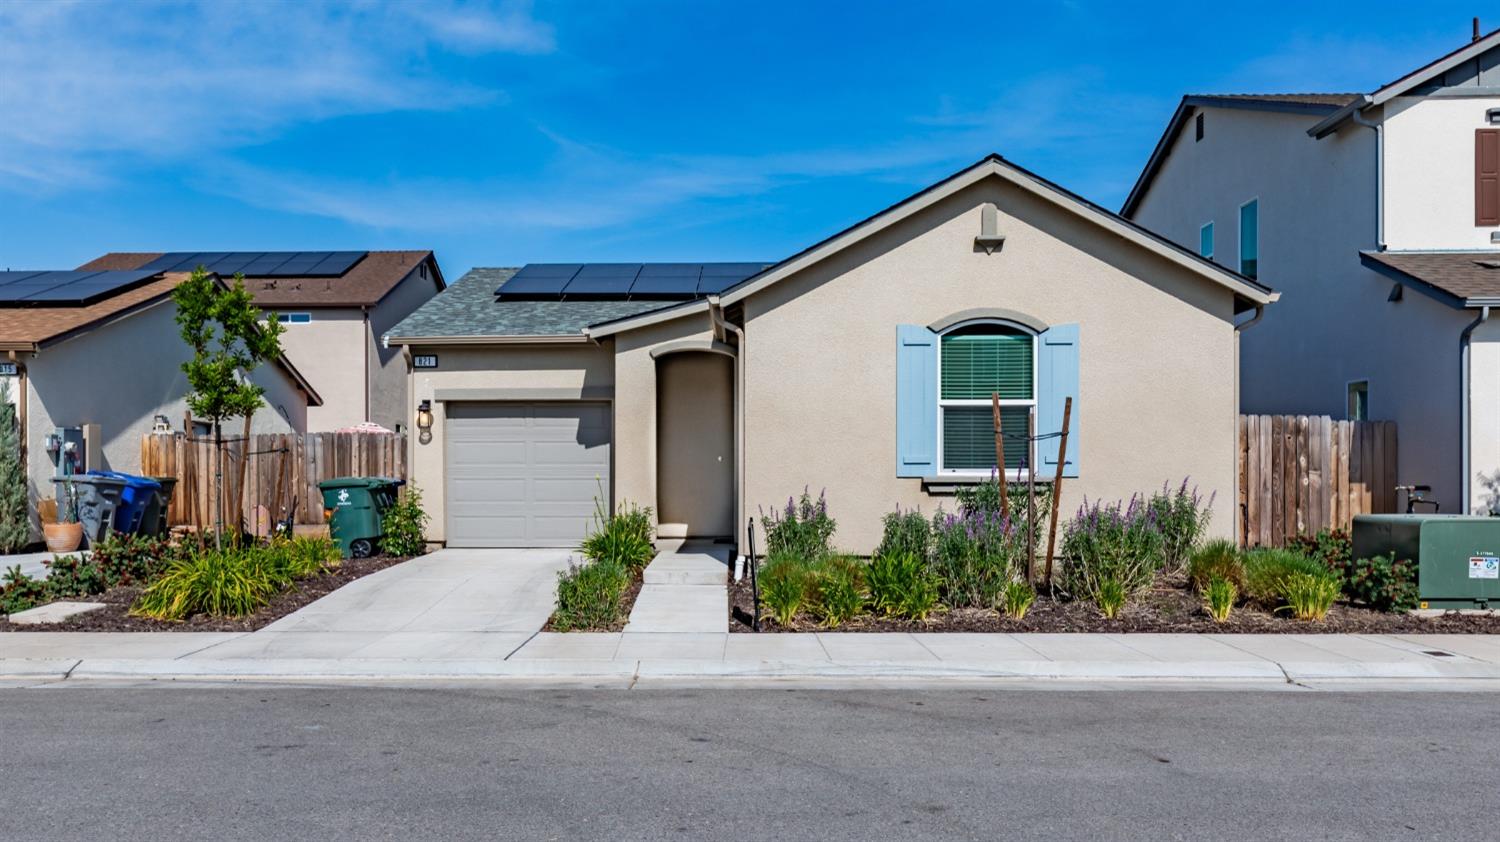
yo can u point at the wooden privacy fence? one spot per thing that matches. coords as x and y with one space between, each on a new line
1303 473
280 474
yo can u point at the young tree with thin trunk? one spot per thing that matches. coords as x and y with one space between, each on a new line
230 338
15 505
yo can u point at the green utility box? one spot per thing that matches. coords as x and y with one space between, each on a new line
1457 556
354 507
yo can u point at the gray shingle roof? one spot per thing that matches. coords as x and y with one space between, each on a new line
469 308
1455 275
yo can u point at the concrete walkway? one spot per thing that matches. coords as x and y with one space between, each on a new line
684 592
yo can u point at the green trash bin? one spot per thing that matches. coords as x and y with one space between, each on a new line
354 507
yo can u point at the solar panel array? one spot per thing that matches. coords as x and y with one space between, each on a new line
636 281
66 289
261 264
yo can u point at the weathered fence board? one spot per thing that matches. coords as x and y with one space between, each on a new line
280 474
1299 474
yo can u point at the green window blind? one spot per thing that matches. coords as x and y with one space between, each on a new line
975 365
969 437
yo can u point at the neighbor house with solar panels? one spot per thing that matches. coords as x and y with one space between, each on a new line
863 366
335 305
98 352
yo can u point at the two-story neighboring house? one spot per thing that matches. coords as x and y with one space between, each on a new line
335 306
1378 216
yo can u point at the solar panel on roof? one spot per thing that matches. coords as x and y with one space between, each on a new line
603 280
300 263
267 264
718 277
74 288
235 262
539 280
667 281
337 263
12 276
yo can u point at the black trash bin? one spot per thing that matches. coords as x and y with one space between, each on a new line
98 497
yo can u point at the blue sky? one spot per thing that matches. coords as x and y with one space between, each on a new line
500 133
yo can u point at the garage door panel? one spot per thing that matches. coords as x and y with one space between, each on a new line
524 475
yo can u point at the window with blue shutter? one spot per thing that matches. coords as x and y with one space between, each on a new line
916 401
978 361
1057 380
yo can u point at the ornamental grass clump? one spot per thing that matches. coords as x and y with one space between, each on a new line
1268 570
589 596
1182 517
228 582
1119 543
802 528
624 536
836 590
784 584
1219 559
976 554
1219 596
1017 599
1309 596
901 585
1110 597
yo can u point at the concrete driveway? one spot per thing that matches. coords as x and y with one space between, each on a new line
455 604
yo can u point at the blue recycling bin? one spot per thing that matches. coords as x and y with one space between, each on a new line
138 494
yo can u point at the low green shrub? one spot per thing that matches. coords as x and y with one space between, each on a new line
1268 570
783 583
1216 559
127 559
975 555
1110 597
590 596
624 536
802 528
71 576
1182 517
302 557
1219 595
1017 599
1309 596
19 592
901 585
405 525
1117 543
836 590
1384 583
1332 547
222 583
905 532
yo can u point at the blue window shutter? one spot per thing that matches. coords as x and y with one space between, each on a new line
1057 380
916 401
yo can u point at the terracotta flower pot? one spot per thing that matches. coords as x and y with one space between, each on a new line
62 537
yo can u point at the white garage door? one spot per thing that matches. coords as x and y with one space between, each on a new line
524 475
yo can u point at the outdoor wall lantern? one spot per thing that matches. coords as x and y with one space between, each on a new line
424 421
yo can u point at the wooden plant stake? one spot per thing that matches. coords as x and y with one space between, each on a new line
1030 498
1062 454
1000 458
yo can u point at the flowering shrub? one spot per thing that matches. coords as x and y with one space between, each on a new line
907 532
1182 518
802 529
976 555
1119 543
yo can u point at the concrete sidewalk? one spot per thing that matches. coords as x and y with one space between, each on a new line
626 659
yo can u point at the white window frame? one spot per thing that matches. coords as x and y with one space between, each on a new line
1013 474
1213 240
291 318
1239 238
1347 384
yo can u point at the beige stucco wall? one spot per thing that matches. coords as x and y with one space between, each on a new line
1156 346
695 442
388 377
330 353
520 370
121 376
1429 172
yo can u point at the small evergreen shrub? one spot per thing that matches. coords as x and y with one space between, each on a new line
72 576
405 525
1219 595
1017 599
802 529
783 585
1216 559
1182 516
905 532
19 592
1110 597
1384 583
15 500
1119 543
129 559
589 596
1309 596
901 585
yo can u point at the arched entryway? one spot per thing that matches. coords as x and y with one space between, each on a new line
695 442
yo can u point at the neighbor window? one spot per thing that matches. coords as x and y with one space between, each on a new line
975 362
1250 239
294 318
1359 400
1206 240
1198 128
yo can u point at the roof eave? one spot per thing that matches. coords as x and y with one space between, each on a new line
1412 281
492 339
1330 124
599 330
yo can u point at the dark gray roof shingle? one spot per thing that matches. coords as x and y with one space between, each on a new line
1459 275
469 308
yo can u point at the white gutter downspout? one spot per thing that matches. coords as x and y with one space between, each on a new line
1463 415
722 325
1359 119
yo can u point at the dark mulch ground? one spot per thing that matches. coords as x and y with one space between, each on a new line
627 602
113 617
1170 607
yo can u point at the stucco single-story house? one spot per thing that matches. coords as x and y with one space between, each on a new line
334 306
103 348
862 366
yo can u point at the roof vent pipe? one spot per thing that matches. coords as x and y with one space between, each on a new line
1476 30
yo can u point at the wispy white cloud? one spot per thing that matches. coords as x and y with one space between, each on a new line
1333 64
83 85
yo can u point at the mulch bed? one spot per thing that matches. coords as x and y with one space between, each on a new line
627 602
114 617
1170 607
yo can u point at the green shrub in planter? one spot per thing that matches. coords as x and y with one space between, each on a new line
221 583
405 525
19 592
1017 599
589 595
784 584
1110 597
905 532
1216 559
70 576
1309 596
624 537
127 559
302 557
975 554
1182 517
1118 543
837 590
1384 583
802 528
1219 595
1267 572
901 585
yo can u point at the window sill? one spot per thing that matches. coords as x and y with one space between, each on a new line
951 483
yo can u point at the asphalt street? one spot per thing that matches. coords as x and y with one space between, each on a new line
347 763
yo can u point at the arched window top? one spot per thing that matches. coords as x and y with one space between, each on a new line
988 314
979 359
